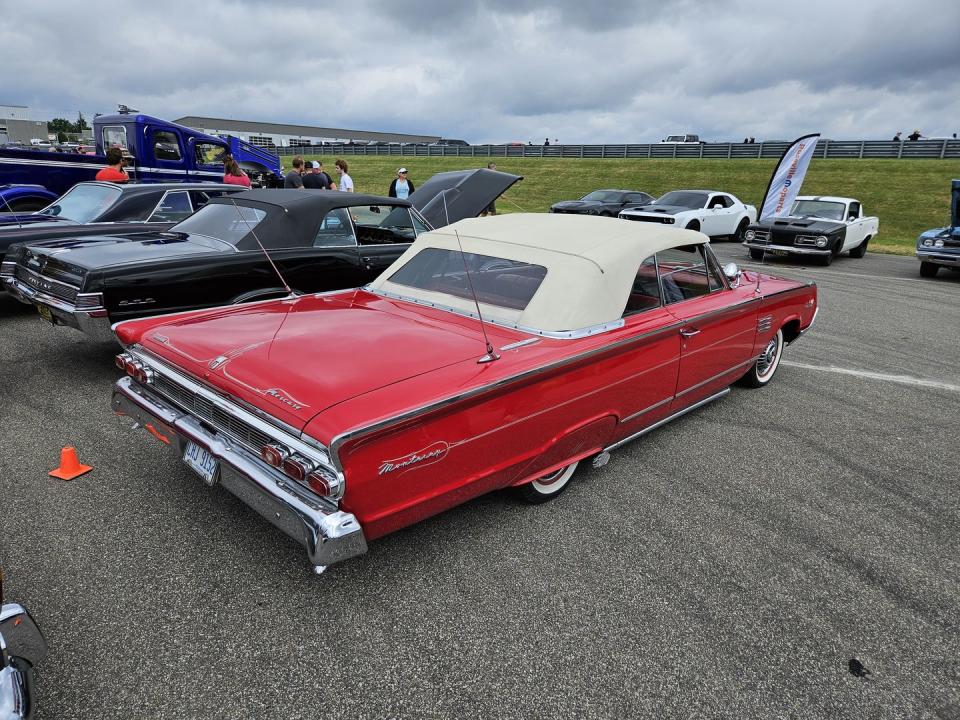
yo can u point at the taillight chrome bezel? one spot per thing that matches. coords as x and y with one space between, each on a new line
136 369
325 483
297 467
273 455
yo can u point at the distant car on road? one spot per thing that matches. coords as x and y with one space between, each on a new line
712 212
819 226
608 203
682 140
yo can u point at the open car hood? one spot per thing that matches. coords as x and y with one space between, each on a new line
451 196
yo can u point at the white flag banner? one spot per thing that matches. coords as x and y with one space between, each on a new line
788 177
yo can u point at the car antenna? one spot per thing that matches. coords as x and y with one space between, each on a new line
491 355
269 259
16 216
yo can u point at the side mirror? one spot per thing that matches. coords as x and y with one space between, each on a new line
733 273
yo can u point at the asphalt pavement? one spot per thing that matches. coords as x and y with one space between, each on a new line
728 565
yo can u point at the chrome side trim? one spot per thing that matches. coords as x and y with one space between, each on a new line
812 321
735 368
520 343
647 409
660 423
555 334
344 437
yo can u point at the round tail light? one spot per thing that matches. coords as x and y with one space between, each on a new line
121 361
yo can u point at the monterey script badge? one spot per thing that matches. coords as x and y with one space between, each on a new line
429 455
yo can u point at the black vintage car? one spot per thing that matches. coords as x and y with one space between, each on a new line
608 203
94 208
235 249
819 227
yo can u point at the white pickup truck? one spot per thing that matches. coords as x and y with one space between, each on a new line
818 226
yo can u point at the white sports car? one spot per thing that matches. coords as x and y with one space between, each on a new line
711 212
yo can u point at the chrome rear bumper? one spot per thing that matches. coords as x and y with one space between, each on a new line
328 534
93 322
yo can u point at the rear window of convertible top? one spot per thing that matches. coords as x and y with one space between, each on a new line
496 281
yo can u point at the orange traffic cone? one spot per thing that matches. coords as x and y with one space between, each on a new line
70 466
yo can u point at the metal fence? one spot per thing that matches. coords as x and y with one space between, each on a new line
855 149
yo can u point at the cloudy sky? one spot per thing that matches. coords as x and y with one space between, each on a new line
499 70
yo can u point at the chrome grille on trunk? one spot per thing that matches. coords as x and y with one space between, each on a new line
203 409
46 285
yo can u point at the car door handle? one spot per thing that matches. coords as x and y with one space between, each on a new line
689 332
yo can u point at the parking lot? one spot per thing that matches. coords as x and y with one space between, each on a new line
729 564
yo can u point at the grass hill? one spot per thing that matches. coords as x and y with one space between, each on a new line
909 196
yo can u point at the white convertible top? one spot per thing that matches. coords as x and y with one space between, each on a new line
591 264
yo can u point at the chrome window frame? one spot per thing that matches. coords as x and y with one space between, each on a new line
156 208
353 227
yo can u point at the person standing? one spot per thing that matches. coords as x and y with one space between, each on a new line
914 136
316 179
401 187
294 178
346 182
114 171
897 138
232 174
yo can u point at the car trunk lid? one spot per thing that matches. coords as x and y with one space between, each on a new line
289 358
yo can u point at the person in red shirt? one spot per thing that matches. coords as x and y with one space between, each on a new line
233 175
113 172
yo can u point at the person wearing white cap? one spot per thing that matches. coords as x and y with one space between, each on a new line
316 179
401 187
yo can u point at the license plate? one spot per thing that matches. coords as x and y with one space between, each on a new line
778 253
45 313
201 461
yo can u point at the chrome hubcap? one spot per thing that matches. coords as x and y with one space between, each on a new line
766 360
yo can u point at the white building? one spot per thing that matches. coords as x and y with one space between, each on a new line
270 135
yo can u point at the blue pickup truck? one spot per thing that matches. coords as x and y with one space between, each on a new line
157 150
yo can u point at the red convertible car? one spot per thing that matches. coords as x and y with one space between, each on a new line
343 416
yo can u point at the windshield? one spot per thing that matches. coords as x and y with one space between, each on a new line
818 208
676 138
603 196
382 224
683 198
496 281
82 203
230 223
